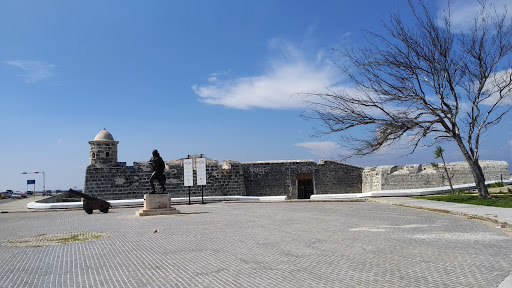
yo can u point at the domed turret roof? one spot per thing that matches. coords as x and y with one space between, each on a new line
104 135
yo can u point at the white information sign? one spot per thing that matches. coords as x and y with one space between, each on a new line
188 173
201 171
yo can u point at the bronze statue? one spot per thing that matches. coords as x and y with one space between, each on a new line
158 166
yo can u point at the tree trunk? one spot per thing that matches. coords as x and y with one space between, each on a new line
447 175
480 184
476 170
479 177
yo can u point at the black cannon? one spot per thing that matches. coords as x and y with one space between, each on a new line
91 203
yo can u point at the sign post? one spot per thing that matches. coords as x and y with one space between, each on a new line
32 182
201 174
188 175
44 182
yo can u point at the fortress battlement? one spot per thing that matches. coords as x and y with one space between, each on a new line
109 179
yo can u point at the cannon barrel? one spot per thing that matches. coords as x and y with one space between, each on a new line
90 202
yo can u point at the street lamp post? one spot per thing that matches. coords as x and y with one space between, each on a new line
44 181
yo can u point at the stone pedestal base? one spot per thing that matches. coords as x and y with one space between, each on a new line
157 204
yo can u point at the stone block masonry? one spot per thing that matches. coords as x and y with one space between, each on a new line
338 178
275 178
272 178
426 176
232 178
108 179
132 182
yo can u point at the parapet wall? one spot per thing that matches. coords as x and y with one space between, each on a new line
132 182
295 179
281 177
426 176
338 178
275 178
232 178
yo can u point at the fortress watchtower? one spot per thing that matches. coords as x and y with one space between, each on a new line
103 150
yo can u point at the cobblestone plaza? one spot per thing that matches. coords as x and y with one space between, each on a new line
286 244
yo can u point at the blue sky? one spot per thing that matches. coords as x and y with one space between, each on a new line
184 77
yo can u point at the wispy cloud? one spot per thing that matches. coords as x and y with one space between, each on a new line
463 12
285 76
33 71
492 87
326 150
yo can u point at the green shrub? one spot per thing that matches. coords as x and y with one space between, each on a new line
71 199
496 185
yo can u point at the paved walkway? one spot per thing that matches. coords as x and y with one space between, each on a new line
495 215
499 216
18 205
284 244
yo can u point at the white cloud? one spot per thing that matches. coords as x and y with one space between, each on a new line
463 12
33 71
285 76
499 79
326 150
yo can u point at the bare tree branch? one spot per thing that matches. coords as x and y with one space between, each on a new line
423 82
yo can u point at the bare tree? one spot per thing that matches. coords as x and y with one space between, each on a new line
424 82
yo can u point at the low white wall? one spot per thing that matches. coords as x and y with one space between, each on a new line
140 202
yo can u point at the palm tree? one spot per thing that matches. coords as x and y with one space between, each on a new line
438 153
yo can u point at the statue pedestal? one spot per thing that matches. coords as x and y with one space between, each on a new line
157 204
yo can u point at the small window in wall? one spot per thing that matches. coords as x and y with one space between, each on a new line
93 155
107 155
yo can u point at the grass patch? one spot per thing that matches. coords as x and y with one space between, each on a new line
54 239
500 200
80 237
72 238
459 192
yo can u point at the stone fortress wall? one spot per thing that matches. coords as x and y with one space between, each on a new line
111 180
132 182
426 176
273 178
231 178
